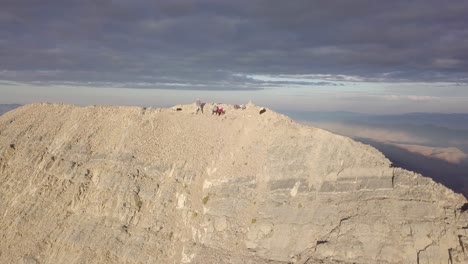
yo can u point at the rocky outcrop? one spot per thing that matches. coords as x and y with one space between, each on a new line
133 185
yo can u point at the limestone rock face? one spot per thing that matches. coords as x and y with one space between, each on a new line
133 185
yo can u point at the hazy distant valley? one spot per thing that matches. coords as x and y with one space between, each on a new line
433 144
7 107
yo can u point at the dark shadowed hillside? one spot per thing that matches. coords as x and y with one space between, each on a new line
452 175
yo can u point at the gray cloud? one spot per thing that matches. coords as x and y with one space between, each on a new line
208 42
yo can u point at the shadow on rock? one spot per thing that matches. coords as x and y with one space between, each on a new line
453 176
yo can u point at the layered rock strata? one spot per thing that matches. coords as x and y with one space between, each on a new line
105 184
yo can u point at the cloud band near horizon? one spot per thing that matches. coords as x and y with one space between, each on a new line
245 45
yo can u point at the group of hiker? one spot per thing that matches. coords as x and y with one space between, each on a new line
216 109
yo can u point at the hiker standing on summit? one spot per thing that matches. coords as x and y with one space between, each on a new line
200 105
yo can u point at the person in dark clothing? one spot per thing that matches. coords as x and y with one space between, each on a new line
200 105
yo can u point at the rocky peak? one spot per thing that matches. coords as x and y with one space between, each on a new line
106 184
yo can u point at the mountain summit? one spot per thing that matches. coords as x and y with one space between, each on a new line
102 184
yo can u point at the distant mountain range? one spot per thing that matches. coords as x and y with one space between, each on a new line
453 121
433 129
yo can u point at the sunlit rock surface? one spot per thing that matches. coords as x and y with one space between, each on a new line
134 185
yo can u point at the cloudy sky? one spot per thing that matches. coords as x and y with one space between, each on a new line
361 55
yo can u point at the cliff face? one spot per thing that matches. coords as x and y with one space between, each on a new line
135 185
